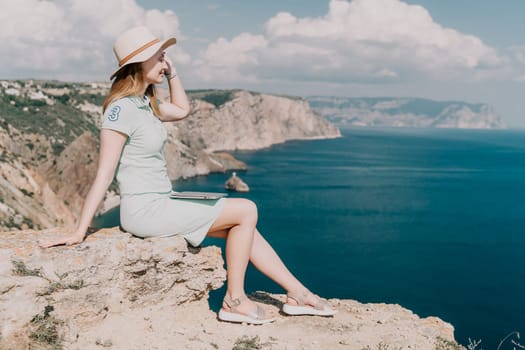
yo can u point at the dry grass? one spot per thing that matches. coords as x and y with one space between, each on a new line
20 269
45 330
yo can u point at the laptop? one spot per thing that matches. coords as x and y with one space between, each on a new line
197 195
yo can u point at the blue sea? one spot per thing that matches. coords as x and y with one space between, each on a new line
433 220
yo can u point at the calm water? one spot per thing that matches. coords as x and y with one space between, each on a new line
429 219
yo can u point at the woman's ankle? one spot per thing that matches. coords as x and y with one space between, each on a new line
301 296
235 295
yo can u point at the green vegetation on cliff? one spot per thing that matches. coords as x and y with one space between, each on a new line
53 116
215 97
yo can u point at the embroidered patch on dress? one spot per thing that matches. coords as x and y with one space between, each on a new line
113 114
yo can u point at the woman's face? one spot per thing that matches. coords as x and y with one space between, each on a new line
153 69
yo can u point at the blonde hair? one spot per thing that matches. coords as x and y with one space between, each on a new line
128 82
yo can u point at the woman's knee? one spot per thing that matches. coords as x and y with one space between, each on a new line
237 211
247 209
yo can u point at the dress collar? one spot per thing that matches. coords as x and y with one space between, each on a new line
142 102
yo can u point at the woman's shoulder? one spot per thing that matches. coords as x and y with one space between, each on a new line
120 111
122 102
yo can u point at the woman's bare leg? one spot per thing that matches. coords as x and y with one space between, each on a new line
266 260
261 253
238 218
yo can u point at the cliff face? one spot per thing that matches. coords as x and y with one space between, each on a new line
122 292
245 121
49 140
406 112
253 121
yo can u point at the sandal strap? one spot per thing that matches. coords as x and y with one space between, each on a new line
322 304
233 303
300 299
258 313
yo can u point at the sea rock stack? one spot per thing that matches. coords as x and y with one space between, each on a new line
234 183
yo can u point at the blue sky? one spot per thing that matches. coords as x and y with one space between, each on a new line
441 49
499 23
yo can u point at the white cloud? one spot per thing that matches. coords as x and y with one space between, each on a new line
72 38
224 58
358 40
238 51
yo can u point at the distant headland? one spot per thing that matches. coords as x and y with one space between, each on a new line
406 112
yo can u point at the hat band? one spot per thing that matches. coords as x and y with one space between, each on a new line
137 51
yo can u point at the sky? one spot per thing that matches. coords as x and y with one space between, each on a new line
466 50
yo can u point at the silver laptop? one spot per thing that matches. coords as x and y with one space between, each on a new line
197 195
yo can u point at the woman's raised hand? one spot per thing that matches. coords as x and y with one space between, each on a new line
170 72
73 238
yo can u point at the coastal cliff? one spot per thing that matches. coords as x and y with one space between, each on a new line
49 142
237 120
121 292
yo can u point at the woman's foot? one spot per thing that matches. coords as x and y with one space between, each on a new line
307 303
241 310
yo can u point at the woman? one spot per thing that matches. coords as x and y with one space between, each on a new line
131 141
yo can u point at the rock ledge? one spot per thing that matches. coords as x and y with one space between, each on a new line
121 292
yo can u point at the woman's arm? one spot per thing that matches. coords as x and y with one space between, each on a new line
179 105
111 144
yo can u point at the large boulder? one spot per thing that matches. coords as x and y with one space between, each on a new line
54 293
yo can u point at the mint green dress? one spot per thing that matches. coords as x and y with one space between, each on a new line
146 210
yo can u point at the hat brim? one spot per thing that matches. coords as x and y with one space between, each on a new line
146 54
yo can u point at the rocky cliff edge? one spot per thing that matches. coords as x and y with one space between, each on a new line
121 292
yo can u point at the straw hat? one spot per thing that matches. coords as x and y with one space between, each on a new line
137 45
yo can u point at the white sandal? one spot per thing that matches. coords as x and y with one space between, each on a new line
321 308
257 316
